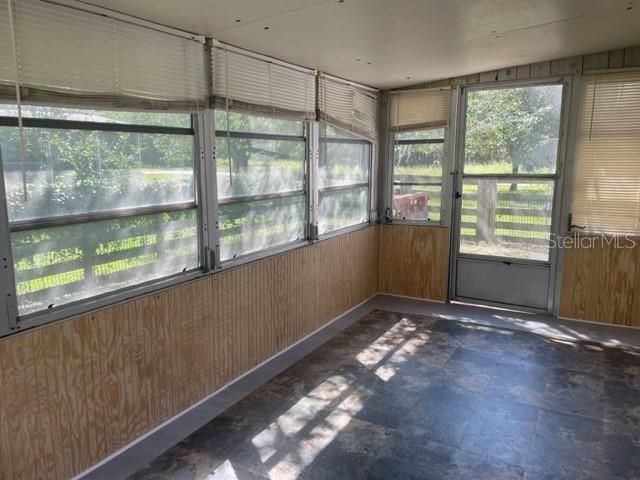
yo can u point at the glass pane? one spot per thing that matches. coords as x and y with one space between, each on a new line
329 131
81 171
418 163
181 120
343 208
429 134
507 218
343 163
252 226
512 130
58 265
417 202
242 122
259 166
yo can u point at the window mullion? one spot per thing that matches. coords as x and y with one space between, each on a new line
314 196
209 193
8 300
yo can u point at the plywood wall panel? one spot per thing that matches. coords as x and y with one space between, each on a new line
414 261
75 391
599 284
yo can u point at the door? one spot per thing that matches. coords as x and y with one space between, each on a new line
505 197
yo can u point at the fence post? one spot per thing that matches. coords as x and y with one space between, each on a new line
486 213
88 255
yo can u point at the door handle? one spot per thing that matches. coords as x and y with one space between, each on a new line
572 226
458 195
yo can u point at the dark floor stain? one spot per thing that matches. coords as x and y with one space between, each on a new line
408 397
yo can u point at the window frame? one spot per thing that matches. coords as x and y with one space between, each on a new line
16 322
358 140
444 141
306 189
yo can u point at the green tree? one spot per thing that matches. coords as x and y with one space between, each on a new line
513 126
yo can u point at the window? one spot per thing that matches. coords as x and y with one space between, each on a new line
418 163
261 172
509 171
100 201
606 186
343 179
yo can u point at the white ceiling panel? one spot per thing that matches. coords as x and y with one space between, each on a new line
382 42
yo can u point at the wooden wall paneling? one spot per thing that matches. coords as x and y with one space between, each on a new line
45 459
599 284
414 261
17 410
137 397
219 333
76 391
314 286
256 324
198 359
113 350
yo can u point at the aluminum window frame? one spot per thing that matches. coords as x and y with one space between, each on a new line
356 140
444 141
15 321
306 191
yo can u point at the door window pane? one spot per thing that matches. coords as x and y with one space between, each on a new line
512 130
506 218
58 265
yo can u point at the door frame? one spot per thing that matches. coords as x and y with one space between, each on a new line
559 194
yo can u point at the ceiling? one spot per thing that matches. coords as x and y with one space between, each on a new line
391 43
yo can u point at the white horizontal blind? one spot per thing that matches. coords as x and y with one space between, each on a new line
419 108
348 105
248 82
71 56
7 63
606 190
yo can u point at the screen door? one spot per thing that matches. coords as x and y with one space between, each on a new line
505 194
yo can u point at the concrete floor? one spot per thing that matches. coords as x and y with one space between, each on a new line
403 396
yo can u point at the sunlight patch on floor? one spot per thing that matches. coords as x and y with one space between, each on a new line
300 414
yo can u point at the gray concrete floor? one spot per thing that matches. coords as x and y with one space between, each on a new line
418 390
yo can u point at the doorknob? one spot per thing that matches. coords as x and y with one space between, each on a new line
458 195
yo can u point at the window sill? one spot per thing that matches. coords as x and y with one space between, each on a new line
105 300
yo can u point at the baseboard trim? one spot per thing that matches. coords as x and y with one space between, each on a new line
137 454
595 322
406 297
